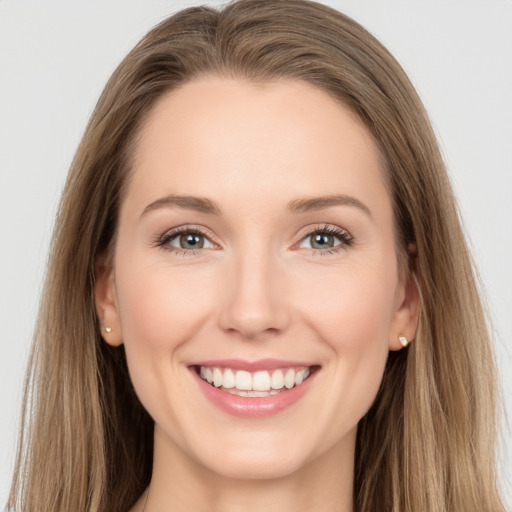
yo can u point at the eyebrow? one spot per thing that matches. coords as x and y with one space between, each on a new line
308 204
300 205
199 204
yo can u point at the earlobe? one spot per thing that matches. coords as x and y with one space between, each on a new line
106 304
405 322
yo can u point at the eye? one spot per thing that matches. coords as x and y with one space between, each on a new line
185 240
327 240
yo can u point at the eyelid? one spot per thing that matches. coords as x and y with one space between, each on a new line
345 238
163 240
340 233
177 236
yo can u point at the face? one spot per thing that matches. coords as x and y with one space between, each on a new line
255 249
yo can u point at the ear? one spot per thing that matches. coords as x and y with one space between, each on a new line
106 304
408 304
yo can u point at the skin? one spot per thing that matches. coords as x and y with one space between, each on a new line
259 288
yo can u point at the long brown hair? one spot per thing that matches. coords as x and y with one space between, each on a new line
427 443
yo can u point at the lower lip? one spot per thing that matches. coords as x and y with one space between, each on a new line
253 407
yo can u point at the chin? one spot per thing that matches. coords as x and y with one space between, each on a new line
270 468
255 455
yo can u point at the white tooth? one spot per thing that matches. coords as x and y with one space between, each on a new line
217 377
274 392
209 375
261 381
261 393
202 372
243 380
251 393
228 380
289 379
299 377
277 380
307 371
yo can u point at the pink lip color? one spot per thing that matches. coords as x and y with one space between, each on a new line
253 407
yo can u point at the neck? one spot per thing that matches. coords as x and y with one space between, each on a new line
179 483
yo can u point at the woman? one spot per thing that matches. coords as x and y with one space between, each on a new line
256 225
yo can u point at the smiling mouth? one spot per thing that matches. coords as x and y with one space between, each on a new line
255 384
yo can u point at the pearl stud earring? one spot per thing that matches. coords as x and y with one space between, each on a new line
108 329
403 341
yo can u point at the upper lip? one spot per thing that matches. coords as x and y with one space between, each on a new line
252 366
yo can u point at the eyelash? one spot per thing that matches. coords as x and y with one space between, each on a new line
342 235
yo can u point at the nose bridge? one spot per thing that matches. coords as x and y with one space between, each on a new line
254 303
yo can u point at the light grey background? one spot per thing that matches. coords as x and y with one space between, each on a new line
55 58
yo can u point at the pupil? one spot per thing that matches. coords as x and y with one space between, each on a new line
192 240
322 240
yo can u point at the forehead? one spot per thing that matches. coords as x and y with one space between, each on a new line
272 140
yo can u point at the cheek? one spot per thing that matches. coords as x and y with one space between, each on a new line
160 309
159 306
353 316
354 307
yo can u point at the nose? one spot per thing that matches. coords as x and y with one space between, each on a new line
254 301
